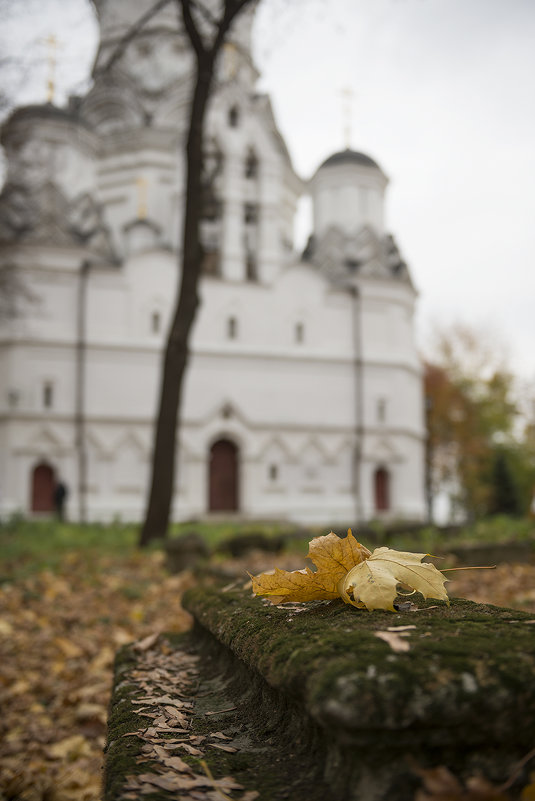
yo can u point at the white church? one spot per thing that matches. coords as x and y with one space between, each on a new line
303 397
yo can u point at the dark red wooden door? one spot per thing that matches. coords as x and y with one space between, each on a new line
223 479
43 483
382 490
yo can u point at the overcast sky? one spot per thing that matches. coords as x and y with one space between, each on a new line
443 100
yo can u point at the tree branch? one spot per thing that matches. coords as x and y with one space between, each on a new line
191 28
232 9
131 34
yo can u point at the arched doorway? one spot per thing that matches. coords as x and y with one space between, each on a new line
381 483
43 483
223 488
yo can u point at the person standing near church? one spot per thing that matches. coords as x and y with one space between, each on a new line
60 497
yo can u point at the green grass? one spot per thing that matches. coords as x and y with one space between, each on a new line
27 547
30 546
215 533
489 530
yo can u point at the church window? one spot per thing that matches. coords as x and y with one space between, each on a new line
48 395
210 264
273 472
211 207
299 332
156 322
12 398
251 165
250 213
212 169
381 410
232 328
250 268
233 117
381 481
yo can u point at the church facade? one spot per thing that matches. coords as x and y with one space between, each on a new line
303 396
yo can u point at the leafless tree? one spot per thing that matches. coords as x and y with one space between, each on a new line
207 34
206 31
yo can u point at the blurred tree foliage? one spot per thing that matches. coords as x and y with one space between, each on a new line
478 450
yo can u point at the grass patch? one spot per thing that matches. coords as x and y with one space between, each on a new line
31 546
27 547
491 530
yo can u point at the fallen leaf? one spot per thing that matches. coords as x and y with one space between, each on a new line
146 642
395 641
190 749
6 629
228 748
441 785
399 628
347 569
70 748
221 711
374 582
333 557
69 648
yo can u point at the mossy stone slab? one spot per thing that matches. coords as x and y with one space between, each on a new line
463 695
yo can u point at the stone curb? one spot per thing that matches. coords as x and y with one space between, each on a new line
462 695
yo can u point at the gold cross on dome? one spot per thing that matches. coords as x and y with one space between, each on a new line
52 47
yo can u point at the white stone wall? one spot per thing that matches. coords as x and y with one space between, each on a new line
280 364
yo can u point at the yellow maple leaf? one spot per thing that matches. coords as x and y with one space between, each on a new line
374 583
348 570
333 557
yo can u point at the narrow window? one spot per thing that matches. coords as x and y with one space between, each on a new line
250 268
156 321
251 165
233 117
210 264
381 481
48 395
299 332
232 328
12 398
250 213
273 472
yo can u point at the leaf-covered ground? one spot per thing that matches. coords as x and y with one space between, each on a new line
58 635
59 629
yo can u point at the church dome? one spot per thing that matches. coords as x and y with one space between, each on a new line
348 156
348 193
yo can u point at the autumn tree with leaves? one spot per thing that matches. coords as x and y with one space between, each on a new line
473 443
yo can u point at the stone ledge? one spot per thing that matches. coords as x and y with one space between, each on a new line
462 696
318 707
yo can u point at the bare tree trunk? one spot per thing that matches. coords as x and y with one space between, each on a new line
177 349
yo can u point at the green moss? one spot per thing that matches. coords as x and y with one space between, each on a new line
318 695
469 669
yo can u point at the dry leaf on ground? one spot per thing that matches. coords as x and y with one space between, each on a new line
441 785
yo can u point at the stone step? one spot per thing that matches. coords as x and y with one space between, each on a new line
322 686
